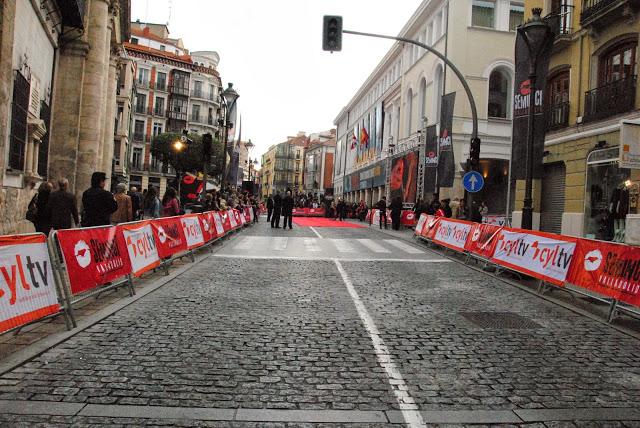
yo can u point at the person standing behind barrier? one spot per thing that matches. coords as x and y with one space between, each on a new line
151 204
446 208
277 207
256 210
38 208
124 213
287 210
97 203
396 212
136 203
62 207
170 204
382 207
269 208
342 210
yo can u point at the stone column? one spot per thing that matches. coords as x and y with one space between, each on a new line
104 125
110 116
93 104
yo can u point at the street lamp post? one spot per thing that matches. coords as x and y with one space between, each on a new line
536 34
178 146
228 99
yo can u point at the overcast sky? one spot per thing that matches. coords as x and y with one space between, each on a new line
272 52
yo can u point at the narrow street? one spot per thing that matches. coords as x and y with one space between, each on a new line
339 326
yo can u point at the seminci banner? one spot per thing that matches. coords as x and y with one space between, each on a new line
446 160
169 236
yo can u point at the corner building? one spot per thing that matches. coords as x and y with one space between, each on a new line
404 93
591 90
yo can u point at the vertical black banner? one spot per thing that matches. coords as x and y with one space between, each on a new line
522 92
430 160
446 161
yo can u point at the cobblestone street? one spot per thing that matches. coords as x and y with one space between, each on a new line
332 327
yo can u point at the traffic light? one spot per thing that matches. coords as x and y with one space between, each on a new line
474 151
207 141
332 33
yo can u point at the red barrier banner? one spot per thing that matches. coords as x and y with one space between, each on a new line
452 233
208 226
141 246
240 218
408 218
169 235
310 212
93 256
482 240
430 227
27 287
376 217
192 230
545 256
609 269
422 221
233 220
217 221
248 214
226 221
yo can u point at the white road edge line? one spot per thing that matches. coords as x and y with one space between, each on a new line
315 231
406 403
330 259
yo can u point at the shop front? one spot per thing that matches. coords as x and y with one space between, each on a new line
366 184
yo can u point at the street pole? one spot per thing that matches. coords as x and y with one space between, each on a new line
463 81
527 209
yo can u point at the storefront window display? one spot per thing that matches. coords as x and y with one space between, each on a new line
607 196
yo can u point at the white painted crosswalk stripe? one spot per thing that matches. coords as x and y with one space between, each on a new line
404 247
373 246
311 245
247 243
279 244
343 246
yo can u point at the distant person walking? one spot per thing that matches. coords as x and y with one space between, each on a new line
269 208
37 212
277 208
382 207
97 203
170 203
124 213
136 203
287 210
62 208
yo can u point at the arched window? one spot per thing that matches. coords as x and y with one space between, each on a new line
617 63
438 83
499 99
422 99
409 110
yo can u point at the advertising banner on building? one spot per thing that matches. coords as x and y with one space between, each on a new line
93 256
27 287
609 269
446 160
192 230
404 176
452 233
541 255
169 235
141 246
482 240
629 144
523 98
217 221
431 160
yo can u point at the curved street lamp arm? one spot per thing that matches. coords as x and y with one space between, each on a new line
465 85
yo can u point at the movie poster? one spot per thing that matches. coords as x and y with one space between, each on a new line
404 177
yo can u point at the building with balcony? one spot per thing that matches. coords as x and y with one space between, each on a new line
403 95
283 166
318 163
125 97
591 89
175 90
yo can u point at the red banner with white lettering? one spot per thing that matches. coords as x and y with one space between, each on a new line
27 287
208 226
192 230
226 221
93 256
545 256
217 221
248 214
169 235
422 221
233 219
452 233
408 218
482 240
430 227
609 269
141 246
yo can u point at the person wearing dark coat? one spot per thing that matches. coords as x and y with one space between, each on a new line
97 203
287 210
41 202
277 208
269 208
396 212
382 206
341 207
62 207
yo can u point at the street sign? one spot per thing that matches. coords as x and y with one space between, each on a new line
473 181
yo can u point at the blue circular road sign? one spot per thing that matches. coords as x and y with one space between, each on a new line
473 181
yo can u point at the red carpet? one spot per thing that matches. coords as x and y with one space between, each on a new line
323 222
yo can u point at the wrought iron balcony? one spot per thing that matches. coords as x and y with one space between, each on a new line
611 99
138 136
195 118
161 86
141 109
560 21
197 93
177 115
158 111
558 116
179 90
602 13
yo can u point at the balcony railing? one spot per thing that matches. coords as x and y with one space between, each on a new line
159 111
141 109
142 83
161 86
138 136
611 99
179 90
195 118
210 121
558 116
177 115
136 166
197 93
560 20
594 10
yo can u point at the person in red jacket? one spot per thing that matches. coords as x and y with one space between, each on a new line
170 203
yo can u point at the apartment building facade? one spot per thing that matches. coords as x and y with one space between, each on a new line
283 166
318 163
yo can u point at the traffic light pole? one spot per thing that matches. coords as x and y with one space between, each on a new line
474 147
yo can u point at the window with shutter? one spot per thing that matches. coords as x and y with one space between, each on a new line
19 113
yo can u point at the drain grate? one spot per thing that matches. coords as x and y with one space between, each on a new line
500 320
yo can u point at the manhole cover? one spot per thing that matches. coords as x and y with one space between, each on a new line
500 320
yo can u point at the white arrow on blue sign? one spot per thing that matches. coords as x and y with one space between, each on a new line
473 181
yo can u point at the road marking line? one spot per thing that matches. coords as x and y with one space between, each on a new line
343 246
279 243
311 245
315 231
406 402
330 259
373 246
246 244
404 247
